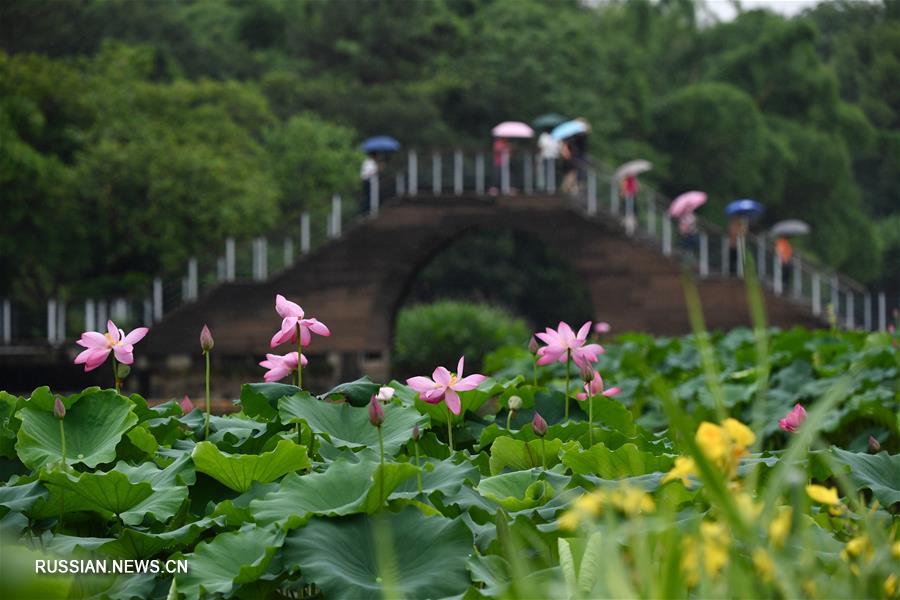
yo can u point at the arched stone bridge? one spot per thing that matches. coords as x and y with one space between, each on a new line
356 284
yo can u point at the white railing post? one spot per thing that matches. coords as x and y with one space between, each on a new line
797 276
666 235
651 215
540 170
148 311
458 172
102 314
336 216
629 215
229 259
592 192
61 321
504 173
304 233
551 175
220 269
528 186
436 183
374 195
816 294
741 250
413 173
157 301
761 258
726 262
778 277
479 173
835 294
851 320
704 254
882 312
90 315
192 278
260 258
6 321
288 250
51 320
867 312
614 197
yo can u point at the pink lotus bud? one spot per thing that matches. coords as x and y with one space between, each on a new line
532 345
874 445
602 327
376 413
186 404
587 372
416 434
514 403
385 394
206 340
539 425
59 409
791 423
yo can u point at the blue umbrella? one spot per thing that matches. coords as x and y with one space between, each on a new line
568 129
746 207
380 143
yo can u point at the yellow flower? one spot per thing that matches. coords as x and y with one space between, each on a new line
590 504
569 520
823 495
684 468
763 563
890 585
631 500
780 526
809 588
690 562
895 549
741 435
858 547
715 546
748 507
714 441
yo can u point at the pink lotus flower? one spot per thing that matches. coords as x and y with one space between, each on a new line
292 317
376 413
539 425
99 345
595 387
280 367
186 404
602 327
563 341
445 386
794 419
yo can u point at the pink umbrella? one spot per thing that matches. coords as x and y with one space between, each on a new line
686 203
512 129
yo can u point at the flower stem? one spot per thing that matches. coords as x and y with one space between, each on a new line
206 427
534 372
299 359
543 454
509 419
449 428
568 360
590 420
62 437
419 473
381 497
115 375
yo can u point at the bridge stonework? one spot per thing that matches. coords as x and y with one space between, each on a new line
357 283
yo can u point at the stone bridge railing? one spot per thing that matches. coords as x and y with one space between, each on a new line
448 174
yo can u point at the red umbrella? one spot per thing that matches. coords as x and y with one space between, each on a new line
686 203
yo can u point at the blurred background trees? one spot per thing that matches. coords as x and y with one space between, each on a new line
137 132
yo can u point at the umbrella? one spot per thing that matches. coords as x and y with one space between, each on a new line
512 129
548 121
380 143
790 227
569 128
633 167
686 203
744 208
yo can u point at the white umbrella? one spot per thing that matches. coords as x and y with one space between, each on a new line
633 167
790 227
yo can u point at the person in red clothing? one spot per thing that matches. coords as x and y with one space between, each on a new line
502 149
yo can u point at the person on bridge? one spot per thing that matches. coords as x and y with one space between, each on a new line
785 253
548 153
367 173
502 150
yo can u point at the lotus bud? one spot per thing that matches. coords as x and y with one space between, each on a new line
59 409
539 425
514 403
416 434
874 445
587 372
376 413
186 404
385 394
206 340
532 345
602 327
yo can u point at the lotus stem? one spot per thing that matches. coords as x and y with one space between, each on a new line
509 415
418 473
62 437
534 372
206 426
449 428
543 454
381 497
590 420
115 375
566 392
299 359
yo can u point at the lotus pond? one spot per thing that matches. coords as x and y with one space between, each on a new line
699 478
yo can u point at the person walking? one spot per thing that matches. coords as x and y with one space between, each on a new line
785 253
367 174
548 153
502 150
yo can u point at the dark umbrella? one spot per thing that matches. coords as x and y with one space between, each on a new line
380 143
548 121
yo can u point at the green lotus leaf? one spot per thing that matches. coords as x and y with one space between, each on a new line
344 488
348 426
357 393
877 472
517 455
239 471
443 476
390 555
230 559
19 498
625 461
261 399
519 490
94 425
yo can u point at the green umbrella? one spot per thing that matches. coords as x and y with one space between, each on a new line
548 121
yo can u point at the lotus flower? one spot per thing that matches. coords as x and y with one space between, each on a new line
206 340
445 386
385 394
539 425
602 327
186 404
99 345
292 317
595 387
794 419
59 409
563 341
376 413
280 367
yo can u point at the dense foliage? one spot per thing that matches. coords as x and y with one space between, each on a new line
289 496
174 121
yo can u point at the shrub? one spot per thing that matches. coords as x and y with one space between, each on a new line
428 335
